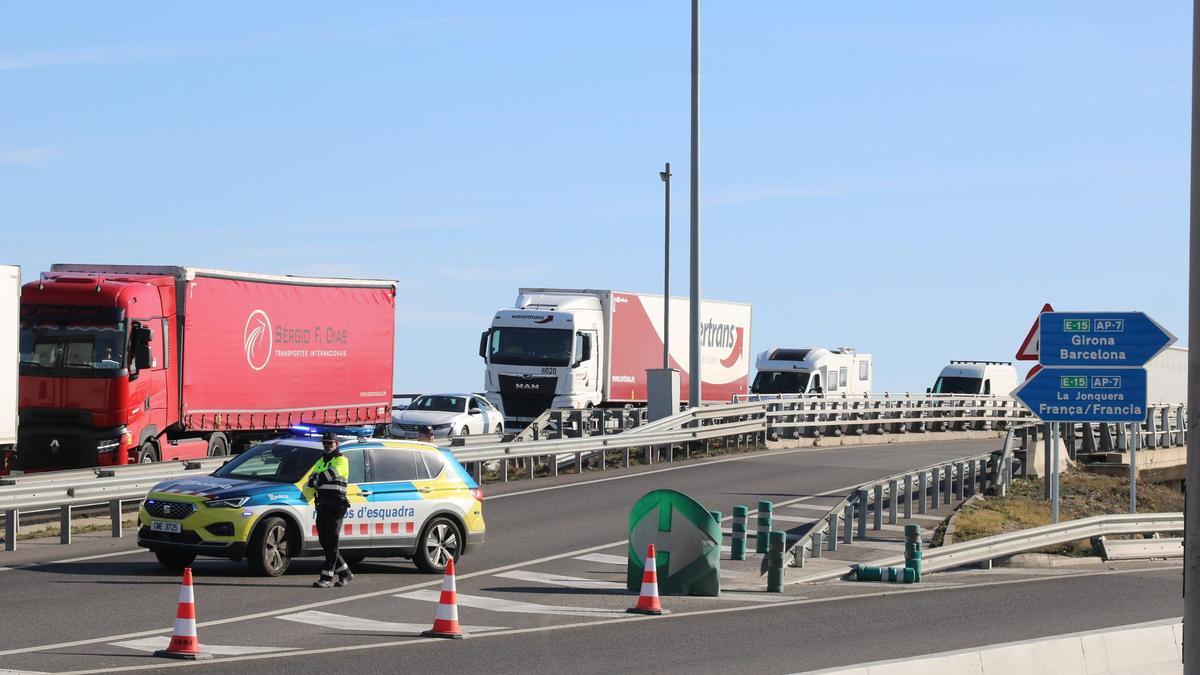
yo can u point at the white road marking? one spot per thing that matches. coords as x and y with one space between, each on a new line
632 618
500 605
792 519
754 597
812 507
561 580
343 622
153 644
71 560
603 558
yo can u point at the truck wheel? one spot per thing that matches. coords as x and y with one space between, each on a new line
218 445
270 550
147 453
439 541
175 560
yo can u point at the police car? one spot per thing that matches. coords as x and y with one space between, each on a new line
407 499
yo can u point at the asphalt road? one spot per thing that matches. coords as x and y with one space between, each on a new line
546 594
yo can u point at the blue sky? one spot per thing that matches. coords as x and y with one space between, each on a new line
913 179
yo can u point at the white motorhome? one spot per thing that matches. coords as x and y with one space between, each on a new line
10 308
583 348
813 370
976 377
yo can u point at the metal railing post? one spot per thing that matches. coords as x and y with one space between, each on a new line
908 495
948 484
893 495
64 524
114 514
848 524
832 543
864 500
961 484
936 492
12 523
816 543
923 492
877 512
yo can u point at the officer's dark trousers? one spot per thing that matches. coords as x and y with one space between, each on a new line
329 529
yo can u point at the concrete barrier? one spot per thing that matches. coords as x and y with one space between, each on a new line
1145 649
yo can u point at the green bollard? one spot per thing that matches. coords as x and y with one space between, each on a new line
764 526
775 562
737 544
868 573
911 532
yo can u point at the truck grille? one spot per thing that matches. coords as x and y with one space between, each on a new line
54 451
173 510
526 397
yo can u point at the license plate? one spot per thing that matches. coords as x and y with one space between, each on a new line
159 526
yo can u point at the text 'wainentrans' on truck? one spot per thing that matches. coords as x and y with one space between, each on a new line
582 348
812 371
10 300
132 363
976 378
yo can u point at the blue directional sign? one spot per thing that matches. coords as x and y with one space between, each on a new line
1086 394
1128 339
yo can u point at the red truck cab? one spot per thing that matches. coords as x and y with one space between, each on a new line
98 371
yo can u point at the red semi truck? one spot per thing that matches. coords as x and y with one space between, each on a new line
130 363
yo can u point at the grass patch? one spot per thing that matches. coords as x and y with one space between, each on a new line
1081 495
54 530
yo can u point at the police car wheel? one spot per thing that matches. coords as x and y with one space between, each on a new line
174 560
440 541
270 548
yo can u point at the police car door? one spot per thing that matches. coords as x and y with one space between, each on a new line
395 510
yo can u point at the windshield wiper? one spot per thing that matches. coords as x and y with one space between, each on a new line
34 363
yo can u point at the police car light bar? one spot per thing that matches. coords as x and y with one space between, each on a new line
364 431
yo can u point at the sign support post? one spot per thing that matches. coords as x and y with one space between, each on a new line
1054 477
1133 448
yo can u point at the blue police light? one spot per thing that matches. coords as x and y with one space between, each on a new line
363 431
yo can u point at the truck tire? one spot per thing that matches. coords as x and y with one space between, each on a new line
440 540
175 560
147 453
270 549
218 445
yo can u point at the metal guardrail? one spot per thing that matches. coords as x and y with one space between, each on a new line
67 490
737 423
957 478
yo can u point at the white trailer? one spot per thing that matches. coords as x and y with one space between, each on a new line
10 326
1166 377
813 370
976 377
584 348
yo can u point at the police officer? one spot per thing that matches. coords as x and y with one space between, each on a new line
329 477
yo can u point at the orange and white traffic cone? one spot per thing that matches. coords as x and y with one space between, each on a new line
445 622
648 599
184 643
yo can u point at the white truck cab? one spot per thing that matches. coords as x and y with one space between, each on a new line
812 370
976 377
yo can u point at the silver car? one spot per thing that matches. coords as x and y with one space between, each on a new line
448 415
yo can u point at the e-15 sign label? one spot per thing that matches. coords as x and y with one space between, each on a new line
1094 382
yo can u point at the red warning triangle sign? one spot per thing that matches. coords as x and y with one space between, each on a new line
1029 350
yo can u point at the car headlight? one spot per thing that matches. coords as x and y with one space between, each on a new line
227 503
441 427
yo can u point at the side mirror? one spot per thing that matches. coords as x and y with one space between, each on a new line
928 390
483 340
474 411
140 339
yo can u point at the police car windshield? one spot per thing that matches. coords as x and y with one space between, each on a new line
275 462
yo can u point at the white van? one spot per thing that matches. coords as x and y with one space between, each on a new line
976 377
812 370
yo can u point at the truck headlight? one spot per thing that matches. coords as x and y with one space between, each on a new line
227 503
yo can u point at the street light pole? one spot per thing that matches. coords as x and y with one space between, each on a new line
1191 561
694 343
665 175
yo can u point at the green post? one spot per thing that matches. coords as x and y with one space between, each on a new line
764 526
737 544
775 562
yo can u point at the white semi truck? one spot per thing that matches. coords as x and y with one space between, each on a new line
583 348
10 326
1166 377
813 370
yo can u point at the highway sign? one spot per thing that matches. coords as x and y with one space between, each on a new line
687 543
1086 394
1128 339
1029 346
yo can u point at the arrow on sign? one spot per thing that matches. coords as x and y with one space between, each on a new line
685 542
1127 339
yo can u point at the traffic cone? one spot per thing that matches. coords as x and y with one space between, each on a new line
648 599
445 621
184 643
